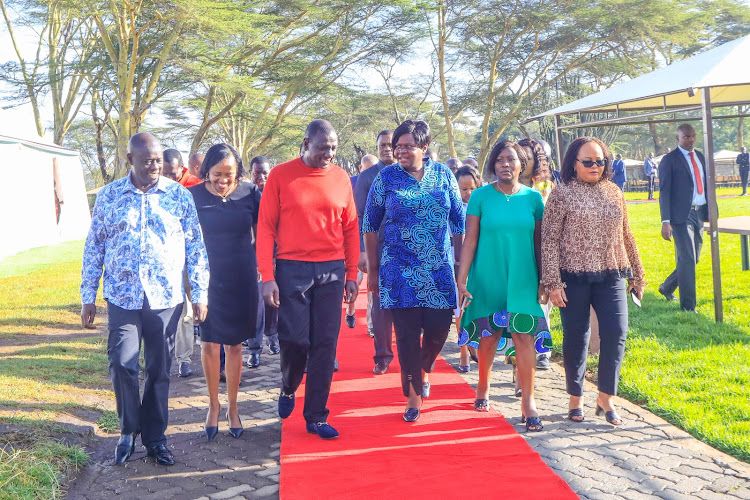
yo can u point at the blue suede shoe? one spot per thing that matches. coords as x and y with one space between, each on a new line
323 430
286 404
411 415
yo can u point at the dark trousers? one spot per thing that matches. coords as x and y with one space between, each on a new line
610 302
688 241
311 296
414 355
651 181
156 329
743 178
382 329
266 325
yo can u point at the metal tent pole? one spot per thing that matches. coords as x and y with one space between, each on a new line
713 208
558 139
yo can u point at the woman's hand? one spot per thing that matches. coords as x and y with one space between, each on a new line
372 281
463 294
558 297
541 295
638 290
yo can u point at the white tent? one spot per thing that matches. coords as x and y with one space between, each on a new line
42 196
719 77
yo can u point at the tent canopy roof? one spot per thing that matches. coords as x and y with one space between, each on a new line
724 69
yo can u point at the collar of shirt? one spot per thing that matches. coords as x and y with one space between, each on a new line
160 186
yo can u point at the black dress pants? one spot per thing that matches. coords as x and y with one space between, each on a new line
688 242
382 329
156 329
743 178
311 297
610 302
414 353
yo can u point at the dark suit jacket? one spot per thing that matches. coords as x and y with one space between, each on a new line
676 187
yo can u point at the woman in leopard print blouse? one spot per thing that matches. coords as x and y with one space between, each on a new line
588 253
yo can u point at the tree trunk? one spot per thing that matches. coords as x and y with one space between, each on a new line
655 138
442 33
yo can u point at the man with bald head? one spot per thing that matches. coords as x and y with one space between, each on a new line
453 164
194 163
308 211
144 232
173 169
683 202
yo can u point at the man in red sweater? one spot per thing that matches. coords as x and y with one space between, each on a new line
308 210
173 168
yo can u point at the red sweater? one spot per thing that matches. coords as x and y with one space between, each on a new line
310 214
188 179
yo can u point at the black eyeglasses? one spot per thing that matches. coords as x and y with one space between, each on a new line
590 163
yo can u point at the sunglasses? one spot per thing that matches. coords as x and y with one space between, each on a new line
590 163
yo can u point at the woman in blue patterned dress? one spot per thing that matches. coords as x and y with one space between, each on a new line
420 206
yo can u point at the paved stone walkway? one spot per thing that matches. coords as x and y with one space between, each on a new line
646 458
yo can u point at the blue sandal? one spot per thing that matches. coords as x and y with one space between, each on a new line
533 424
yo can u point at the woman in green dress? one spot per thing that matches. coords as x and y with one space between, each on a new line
498 277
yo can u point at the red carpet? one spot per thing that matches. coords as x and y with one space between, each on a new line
452 451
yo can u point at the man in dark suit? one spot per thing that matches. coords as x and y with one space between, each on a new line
743 160
684 206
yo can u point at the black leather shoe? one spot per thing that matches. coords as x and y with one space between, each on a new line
125 447
380 369
254 360
184 370
351 321
274 347
162 455
669 296
411 415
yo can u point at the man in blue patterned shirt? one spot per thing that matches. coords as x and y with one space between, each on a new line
144 232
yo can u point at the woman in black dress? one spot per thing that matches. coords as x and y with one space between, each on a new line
228 211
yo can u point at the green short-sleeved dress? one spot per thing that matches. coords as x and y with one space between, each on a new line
503 278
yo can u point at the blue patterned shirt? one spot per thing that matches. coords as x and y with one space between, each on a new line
143 241
416 269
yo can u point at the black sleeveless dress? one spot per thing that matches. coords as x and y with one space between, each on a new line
233 284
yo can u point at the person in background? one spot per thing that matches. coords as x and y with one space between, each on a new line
499 279
743 160
453 164
432 154
143 267
649 170
308 211
471 162
468 180
419 205
350 320
618 169
268 316
174 169
588 253
548 153
185 337
382 324
194 163
228 211
683 204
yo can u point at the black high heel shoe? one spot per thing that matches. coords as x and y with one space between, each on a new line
211 431
611 416
235 432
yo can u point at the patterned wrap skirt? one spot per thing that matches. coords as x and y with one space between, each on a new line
507 323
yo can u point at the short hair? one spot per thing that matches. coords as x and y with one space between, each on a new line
568 169
686 128
538 151
453 162
498 148
260 160
140 139
215 154
468 170
419 129
618 155
384 132
318 126
171 155
369 159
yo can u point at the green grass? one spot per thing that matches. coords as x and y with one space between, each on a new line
685 367
643 195
49 369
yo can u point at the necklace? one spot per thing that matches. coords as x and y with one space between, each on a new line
513 190
222 196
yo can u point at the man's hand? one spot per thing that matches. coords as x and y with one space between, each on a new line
199 313
88 313
351 290
372 281
362 264
271 293
666 231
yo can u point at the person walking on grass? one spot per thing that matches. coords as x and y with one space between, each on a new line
308 211
144 232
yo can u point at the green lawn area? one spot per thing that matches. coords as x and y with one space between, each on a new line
52 373
685 367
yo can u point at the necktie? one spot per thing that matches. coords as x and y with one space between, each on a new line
697 171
